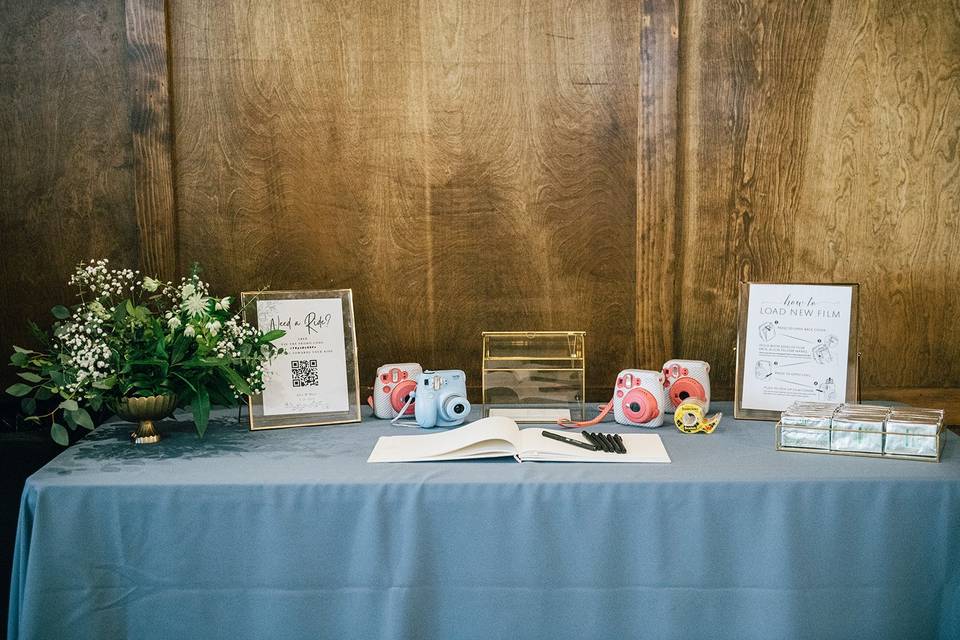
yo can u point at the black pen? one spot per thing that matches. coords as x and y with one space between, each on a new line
618 440
589 436
601 442
611 447
598 443
576 443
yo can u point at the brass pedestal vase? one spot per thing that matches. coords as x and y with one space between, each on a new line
144 411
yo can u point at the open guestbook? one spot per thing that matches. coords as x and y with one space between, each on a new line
499 437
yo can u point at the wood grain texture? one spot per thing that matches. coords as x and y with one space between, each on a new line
462 166
65 170
300 158
658 206
147 80
465 166
531 113
820 143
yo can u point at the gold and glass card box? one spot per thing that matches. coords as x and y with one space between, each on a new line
528 372
909 433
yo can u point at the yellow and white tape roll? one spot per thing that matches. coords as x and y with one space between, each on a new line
691 418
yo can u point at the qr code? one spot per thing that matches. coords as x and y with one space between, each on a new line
303 373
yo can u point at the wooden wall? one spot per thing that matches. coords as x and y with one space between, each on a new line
821 142
463 166
610 166
66 168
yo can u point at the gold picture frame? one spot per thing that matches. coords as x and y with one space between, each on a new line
319 343
851 388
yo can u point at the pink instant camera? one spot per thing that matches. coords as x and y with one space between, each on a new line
685 379
639 398
392 389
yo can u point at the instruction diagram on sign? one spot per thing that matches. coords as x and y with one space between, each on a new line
796 345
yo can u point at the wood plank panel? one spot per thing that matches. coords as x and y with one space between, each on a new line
299 160
819 142
463 166
65 170
152 143
658 201
532 123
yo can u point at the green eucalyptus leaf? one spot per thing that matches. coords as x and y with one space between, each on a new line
270 336
106 383
201 410
83 419
19 389
43 394
69 419
59 434
69 405
28 405
60 312
95 403
30 377
22 350
19 359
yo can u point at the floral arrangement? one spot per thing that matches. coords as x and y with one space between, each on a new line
133 337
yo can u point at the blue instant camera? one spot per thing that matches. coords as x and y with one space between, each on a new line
441 398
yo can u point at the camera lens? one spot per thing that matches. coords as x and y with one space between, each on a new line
458 408
683 395
634 406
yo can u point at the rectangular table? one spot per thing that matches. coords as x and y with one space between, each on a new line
291 534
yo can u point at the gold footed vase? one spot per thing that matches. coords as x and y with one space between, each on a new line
144 411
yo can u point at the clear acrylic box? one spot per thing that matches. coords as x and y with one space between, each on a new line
524 370
906 433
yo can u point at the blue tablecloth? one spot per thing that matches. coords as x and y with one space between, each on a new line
291 534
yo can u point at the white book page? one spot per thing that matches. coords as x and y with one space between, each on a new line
487 438
641 447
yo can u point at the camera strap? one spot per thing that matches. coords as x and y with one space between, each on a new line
604 410
397 422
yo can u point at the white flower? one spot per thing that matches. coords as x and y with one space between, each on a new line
150 284
196 304
98 309
187 290
189 331
174 323
213 327
223 304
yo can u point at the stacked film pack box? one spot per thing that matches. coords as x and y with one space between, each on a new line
807 425
860 428
913 431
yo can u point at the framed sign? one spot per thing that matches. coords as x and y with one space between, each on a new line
315 381
795 342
